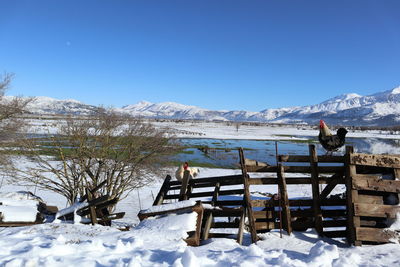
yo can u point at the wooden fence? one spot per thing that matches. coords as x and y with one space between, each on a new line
358 214
320 211
372 197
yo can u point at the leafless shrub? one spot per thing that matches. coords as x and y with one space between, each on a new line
123 151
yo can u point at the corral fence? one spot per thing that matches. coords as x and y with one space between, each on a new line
361 213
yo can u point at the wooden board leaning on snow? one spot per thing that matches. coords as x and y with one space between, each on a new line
171 206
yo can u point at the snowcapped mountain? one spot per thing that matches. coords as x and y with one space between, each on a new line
48 105
381 109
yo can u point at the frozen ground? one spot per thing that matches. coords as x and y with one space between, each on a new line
225 130
159 242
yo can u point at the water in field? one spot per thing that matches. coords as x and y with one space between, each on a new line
224 153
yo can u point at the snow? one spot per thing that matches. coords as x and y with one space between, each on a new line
18 213
16 207
158 241
152 243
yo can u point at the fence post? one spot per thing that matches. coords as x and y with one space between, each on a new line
92 209
287 218
247 198
164 188
351 198
315 190
184 186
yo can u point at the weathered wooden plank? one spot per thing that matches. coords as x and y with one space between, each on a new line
247 198
296 169
18 224
194 238
99 205
374 234
226 202
325 213
219 235
92 209
375 210
98 201
39 220
266 225
259 181
334 223
368 199
236 179
352 196
215 193
387 161
335 234
334 213
376 184
234 224
207 226
164 188
184 187
261 169
143 214
264 214
208 194
284 200
315 189
301 158
211 184
189 191
298 202
337 178
93 190
333 181
239 238
219 192
368 223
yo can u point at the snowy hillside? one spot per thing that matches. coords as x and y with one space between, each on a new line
48 105
381 109
349 109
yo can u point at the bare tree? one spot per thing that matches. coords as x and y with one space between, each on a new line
123 151
10 109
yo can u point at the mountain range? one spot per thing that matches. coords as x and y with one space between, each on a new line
380 109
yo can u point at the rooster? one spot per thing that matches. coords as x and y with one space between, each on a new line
193 172
329 141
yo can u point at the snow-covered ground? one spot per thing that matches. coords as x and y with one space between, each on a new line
160 242
226 130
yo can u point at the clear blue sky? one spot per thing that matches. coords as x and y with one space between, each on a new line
235 55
